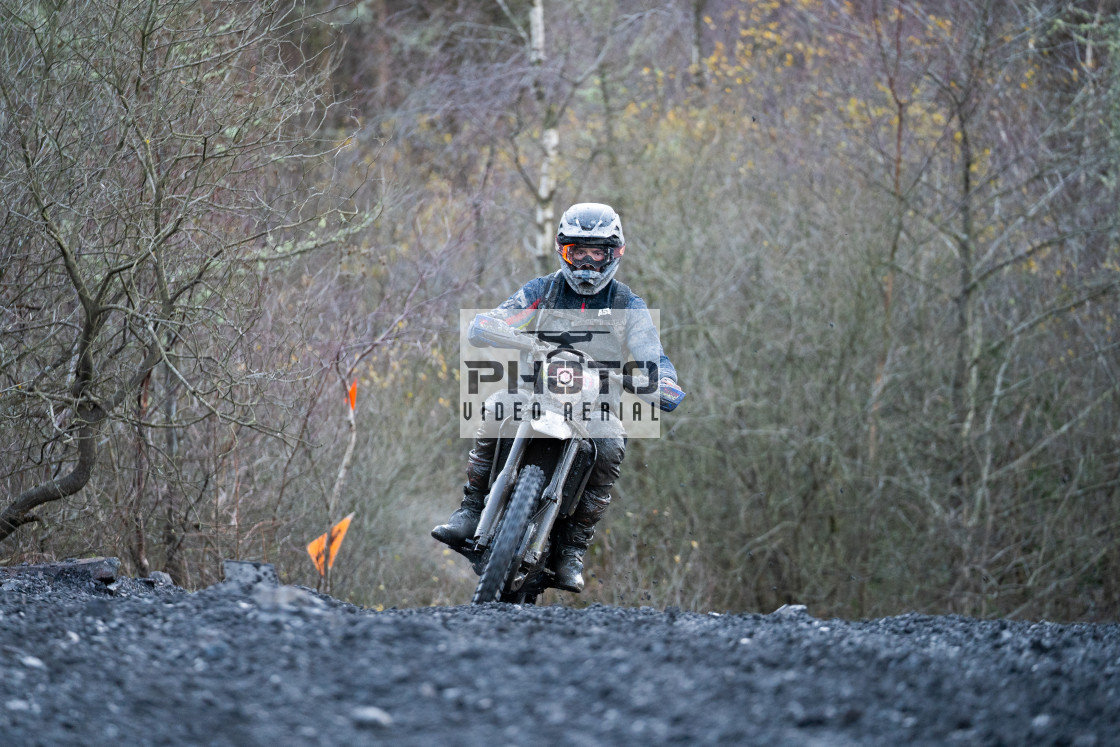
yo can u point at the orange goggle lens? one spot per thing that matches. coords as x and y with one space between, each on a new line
568 252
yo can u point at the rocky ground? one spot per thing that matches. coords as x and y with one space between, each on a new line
89 658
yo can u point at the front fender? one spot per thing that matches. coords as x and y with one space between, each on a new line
553 425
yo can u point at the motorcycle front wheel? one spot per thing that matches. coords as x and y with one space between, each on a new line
526 492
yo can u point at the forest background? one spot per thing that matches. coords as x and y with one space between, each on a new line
883 237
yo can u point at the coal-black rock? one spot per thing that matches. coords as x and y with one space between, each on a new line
101 660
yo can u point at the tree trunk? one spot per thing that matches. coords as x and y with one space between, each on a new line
550 146
965 379
697 67
18 512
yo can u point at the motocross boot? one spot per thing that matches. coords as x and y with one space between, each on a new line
460 527
574 538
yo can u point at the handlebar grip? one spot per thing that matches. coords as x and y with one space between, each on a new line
489 330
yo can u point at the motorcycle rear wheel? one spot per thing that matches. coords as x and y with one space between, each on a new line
496 574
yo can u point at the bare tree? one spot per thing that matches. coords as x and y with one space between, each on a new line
152 155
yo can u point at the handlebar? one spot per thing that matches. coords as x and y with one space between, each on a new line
497 333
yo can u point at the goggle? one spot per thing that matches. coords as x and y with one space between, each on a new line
581 255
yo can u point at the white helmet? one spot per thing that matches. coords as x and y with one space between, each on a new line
590 224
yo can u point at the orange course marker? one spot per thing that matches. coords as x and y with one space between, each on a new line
319 546
354 394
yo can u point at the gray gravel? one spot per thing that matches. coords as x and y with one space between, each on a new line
138 663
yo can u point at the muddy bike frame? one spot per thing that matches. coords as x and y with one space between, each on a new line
512 543
565 453
566 471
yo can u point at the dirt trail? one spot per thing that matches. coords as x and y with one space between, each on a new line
83 662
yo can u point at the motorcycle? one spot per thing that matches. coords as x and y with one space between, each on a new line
542 463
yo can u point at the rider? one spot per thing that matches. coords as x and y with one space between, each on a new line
590 243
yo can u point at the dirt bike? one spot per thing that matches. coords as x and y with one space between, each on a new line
542 462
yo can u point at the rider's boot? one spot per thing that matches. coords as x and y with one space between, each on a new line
574 538
460 527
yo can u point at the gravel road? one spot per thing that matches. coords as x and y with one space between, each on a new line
116 660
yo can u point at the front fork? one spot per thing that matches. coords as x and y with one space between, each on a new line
499 490
550 499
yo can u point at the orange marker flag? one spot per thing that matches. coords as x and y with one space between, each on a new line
354 394
320 544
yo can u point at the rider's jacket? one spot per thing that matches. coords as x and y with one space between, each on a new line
615 307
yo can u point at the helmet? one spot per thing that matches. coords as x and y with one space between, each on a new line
590 224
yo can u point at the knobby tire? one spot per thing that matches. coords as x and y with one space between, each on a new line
528 489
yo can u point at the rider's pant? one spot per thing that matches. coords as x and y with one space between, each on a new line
596 495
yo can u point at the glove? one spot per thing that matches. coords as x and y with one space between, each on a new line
671 394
